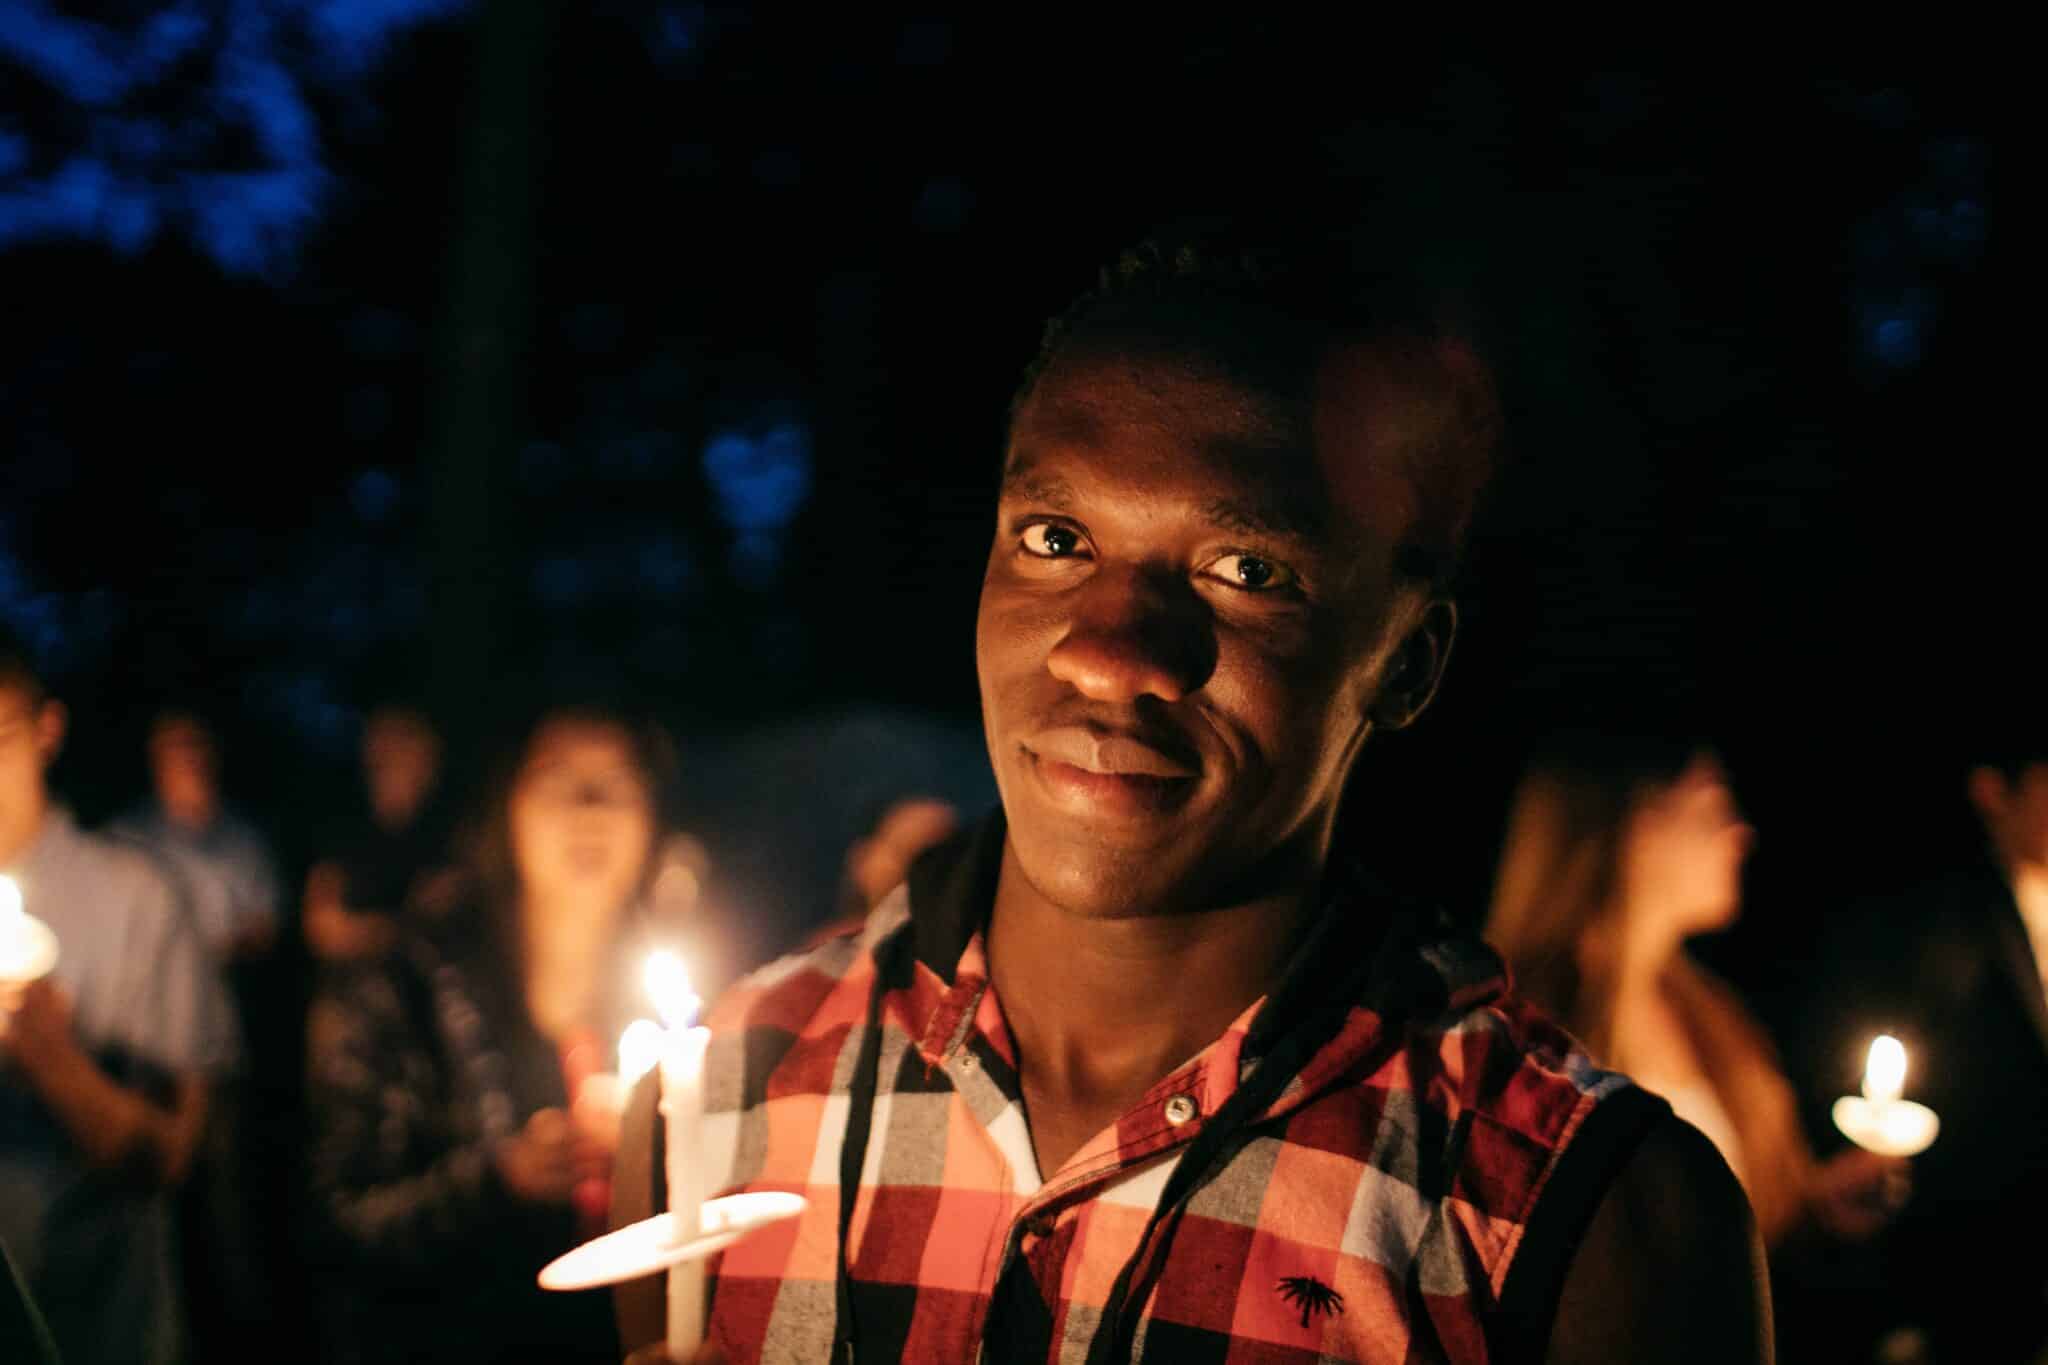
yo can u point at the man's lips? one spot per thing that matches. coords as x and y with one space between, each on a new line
1109 754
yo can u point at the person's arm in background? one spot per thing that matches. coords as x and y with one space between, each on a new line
256 896
1671 1268
173 1018
333 931
397 1204
117 1128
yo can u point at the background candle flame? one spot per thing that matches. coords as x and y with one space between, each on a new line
668 982
1884 1074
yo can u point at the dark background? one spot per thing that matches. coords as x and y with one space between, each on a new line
474 347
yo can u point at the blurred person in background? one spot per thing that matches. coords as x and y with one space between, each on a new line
879 860
222 868
450 1156
1953 963
394 857
105 1064
223 863
1617 853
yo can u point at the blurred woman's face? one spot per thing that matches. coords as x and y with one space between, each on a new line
582 817
1685 850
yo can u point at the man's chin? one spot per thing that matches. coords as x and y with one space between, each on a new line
1109 878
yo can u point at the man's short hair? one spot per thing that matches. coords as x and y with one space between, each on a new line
1265 306
19 666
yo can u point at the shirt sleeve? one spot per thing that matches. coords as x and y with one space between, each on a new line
254 882
264 889
388 1184
178 1014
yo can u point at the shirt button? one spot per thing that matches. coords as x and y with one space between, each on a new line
968 1061
1180 1109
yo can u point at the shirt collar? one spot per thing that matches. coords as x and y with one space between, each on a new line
1367 945
952 887
59 831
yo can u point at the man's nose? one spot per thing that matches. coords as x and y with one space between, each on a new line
1135 633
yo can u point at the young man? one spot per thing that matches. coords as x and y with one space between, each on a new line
1146 1067
223 863
221 868
104 1064
394 857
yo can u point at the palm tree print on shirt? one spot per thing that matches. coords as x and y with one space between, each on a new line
1311 1295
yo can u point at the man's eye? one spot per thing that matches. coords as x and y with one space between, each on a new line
1252 572
1050 541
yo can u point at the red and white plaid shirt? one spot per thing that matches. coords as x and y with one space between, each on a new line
1409 1190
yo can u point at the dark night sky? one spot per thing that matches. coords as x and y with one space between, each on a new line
1746 318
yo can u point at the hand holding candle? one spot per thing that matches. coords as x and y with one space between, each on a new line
694 1227
1879 1121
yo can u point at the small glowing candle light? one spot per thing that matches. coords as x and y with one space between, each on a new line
682 1112
1878 1120
28 949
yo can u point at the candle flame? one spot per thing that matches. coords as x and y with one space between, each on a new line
668 982
639 1049
10 903
1884 1074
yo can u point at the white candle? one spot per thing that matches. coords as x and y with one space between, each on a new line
640 1048
694 1228
682 1112
1878 1120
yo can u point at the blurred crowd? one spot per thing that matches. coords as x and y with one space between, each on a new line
347 1115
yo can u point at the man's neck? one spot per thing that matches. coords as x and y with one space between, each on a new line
1101 1009
197 817
19 834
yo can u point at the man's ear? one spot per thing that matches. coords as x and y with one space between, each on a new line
52 721
1416 666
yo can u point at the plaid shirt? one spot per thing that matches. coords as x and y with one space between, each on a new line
1410 1189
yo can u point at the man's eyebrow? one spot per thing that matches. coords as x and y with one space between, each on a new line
1268 519
1025 481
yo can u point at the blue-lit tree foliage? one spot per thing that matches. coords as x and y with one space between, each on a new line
189 119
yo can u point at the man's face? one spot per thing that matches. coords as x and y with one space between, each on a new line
1189 608
183 763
